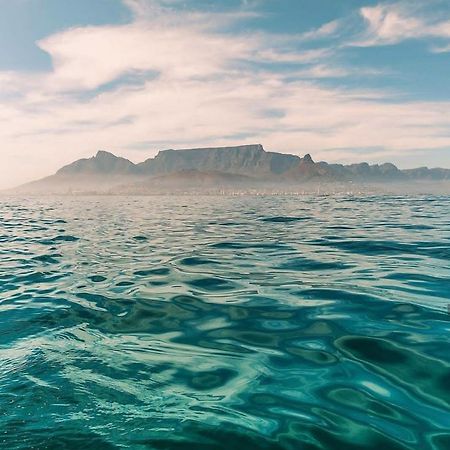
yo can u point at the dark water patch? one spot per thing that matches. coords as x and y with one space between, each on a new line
125 283
37 277
53 258
439 250
159 271
196 261
374 350
211 284
369 247
371 439
441 441
422 375
420 278
66 238
155 283
54 437
418 227
140 238
207 380
248 245
391 248
306 264
420 284
205 437
97 278
58 239
283 219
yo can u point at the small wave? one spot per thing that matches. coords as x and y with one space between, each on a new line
306 264
284 219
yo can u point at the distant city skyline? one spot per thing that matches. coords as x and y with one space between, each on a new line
346 81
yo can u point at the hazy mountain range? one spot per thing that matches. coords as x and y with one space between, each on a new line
217 168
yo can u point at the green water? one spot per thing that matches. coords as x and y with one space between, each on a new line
247 323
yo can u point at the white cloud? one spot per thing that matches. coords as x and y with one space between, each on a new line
209 89
441 49
307 56
86 58
324 31
391 23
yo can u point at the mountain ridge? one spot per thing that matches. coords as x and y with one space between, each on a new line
221 166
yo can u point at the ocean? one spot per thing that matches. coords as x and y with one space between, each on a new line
225 322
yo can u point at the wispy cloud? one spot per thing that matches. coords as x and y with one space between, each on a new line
324 31
440 48
391 23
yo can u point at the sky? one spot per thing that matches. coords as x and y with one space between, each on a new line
343 80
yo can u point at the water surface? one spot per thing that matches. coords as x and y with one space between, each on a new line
264 322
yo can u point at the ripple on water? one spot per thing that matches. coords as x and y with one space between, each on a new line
158 271
284 219
212 284
307 264
196 261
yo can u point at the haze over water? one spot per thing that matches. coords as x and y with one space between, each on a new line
250 322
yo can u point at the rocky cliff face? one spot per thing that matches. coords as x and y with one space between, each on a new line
249 160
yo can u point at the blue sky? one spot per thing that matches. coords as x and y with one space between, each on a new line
346 80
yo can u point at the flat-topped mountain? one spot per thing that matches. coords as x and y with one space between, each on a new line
245 165
250 160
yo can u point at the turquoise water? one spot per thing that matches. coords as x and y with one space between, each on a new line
263 322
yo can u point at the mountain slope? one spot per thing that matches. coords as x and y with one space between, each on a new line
102 163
